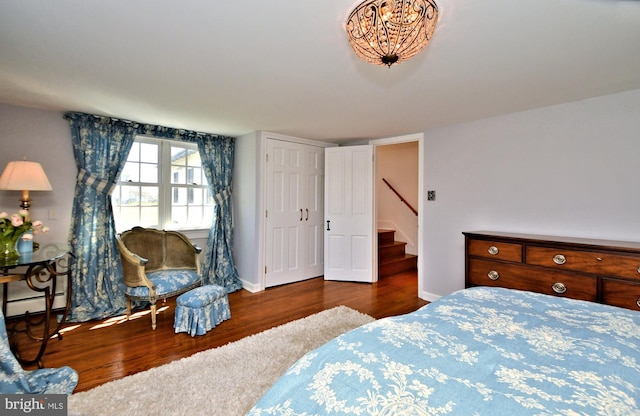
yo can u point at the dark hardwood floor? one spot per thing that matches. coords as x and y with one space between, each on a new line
101 351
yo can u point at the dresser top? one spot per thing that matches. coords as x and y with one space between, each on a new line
588 243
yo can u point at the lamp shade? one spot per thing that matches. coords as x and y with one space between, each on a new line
24 175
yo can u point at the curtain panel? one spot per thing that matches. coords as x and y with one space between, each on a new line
101 146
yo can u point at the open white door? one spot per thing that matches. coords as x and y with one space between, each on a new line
348 214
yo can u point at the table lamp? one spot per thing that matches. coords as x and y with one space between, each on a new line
25 176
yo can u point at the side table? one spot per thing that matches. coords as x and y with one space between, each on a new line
39 269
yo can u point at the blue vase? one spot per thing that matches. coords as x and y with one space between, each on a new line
25 246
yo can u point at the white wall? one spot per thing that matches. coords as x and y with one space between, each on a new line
246 235
571 169
45 137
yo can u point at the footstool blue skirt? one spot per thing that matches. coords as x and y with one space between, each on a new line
201 309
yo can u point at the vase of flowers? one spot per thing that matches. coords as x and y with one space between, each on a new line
12 228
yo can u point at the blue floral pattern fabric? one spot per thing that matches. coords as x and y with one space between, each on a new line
165 282
13 379
218 266
480 351
201 309
100 147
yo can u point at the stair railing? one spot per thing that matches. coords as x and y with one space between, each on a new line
400 196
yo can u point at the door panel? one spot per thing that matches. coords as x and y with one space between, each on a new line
282 216
314 212
349 214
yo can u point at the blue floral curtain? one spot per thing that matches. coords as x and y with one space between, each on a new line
100 146
216 153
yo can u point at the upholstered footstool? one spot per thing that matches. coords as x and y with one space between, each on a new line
201 309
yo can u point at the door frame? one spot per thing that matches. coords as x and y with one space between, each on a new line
419 137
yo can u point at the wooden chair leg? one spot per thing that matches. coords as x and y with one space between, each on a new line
153 316
128 308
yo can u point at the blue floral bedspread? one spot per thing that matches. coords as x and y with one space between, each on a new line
479 351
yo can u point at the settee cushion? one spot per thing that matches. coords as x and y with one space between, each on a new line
166 282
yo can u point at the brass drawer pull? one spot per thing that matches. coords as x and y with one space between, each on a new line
559 259
493 275
638 269
559 288
638 302
493 250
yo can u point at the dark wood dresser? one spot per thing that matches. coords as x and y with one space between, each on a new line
596 270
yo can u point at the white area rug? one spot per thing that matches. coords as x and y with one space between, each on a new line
224 381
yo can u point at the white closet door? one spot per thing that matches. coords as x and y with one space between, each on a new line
349 214
294 212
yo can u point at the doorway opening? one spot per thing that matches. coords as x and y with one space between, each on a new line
398 202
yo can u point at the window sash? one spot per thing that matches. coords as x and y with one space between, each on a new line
163 186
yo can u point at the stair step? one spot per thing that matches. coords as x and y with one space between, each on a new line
388 268
391 251
386 237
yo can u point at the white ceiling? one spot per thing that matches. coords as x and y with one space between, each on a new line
231 67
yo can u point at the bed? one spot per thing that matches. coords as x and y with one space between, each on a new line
478 351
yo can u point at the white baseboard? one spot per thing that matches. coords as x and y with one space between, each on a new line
429 297
251 287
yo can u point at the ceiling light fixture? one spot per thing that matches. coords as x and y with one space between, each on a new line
385 32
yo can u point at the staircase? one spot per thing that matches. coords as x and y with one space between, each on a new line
392 258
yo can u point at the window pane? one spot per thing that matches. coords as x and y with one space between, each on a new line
149 217
148 173
208 214
208 198
130 195
194 158
196 196
195 216
130 172
179 216
178 155
149 153
179 196
115 197
149 195
178 174
129 218
195 176
134 153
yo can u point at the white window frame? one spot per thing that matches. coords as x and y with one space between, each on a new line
165 188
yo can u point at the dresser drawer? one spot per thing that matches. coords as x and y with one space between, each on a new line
513 276
495 250
585 261
623 293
